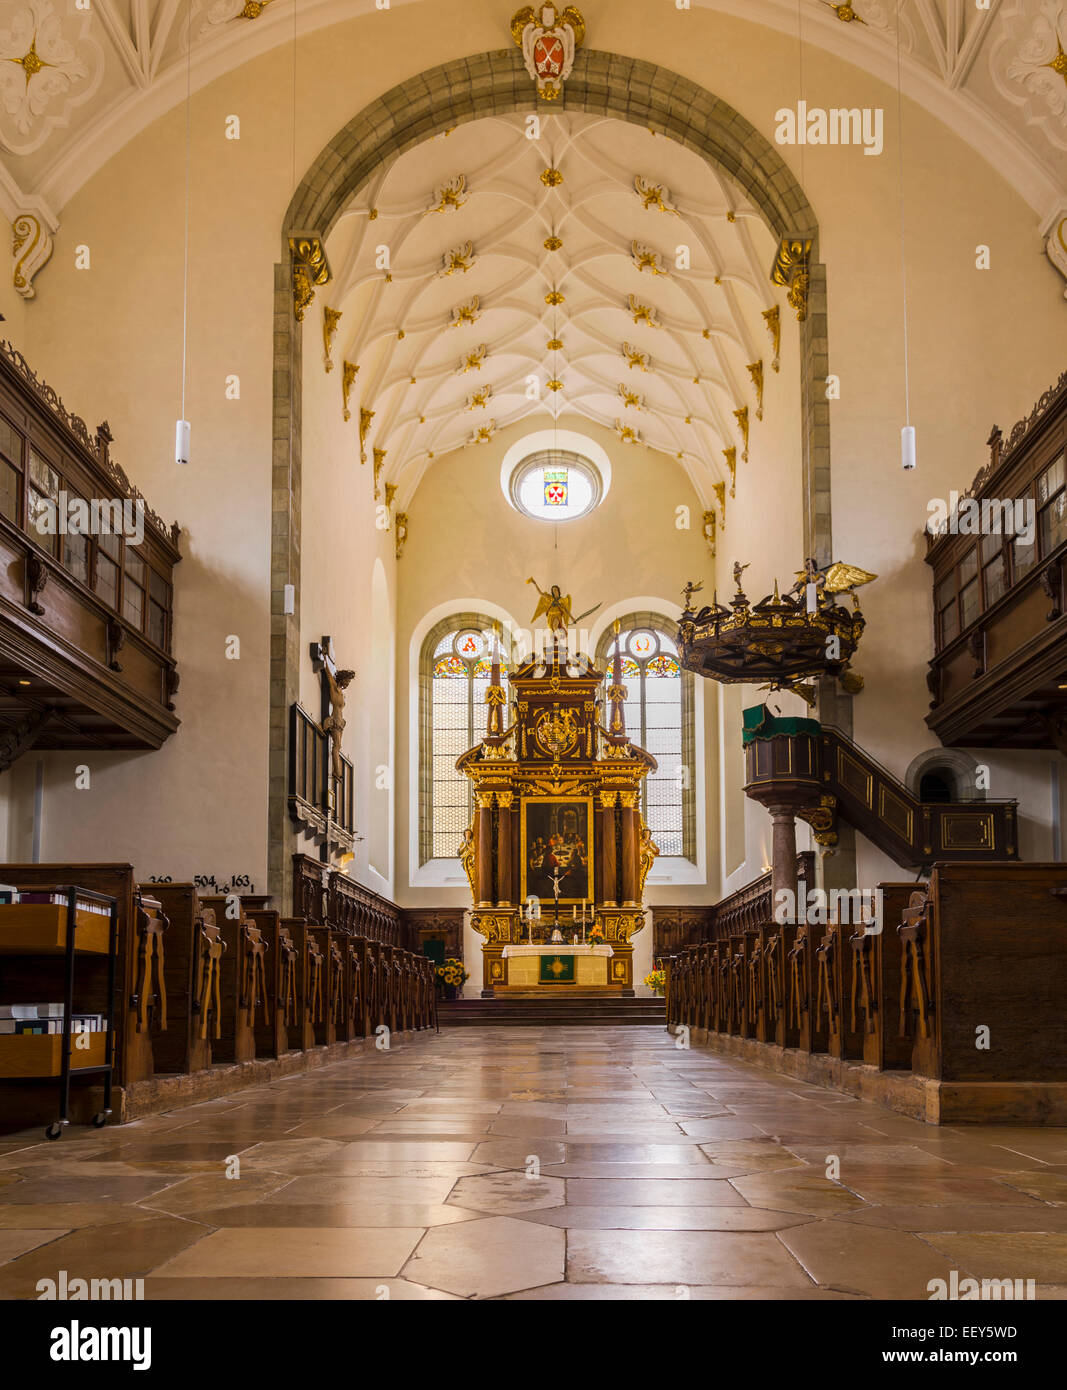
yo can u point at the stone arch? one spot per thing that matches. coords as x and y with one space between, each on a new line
957 768
467 89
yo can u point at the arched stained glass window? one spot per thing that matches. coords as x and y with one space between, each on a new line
659 717
455 673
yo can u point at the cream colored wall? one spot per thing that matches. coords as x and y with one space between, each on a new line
983 345
348 577
466 539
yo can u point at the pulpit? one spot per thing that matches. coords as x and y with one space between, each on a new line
558 851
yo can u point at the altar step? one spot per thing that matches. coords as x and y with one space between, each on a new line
536 1012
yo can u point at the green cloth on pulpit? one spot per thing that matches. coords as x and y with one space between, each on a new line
757 722
557 970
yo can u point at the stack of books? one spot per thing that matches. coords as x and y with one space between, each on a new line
49 895
47 1018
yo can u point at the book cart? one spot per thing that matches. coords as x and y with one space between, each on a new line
35 939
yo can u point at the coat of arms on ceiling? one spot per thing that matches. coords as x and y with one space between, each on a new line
549 38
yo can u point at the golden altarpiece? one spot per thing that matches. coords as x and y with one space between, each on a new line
558 851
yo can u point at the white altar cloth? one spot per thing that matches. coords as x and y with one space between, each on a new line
559 948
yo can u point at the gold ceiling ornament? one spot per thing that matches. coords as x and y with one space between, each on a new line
654 195
400 335
372 216
450 194
731 217
1059 63
773 319
480 399
330 319
483 434
709 527
401 529
553 243
551 178
627 433
645 258
741 416
846 13
379 464
549 37
474 361
719 489
555 297
311 269
643 313
460 258
466 313
755 371
636 358
31 246
629 398
365 417
791 267
253 9
730 455
390 493
554 345
555 384
349 371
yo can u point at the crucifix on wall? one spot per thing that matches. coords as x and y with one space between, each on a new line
334 684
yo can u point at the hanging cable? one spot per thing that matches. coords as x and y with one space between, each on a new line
907 434
182 431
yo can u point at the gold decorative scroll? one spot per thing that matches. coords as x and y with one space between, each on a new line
310 270
773 319
791 266
653 195
466 313
401 532
730 455
379 464
365 417
348 380
755 371
741 416
719 489
330 319
643 313
450 194
710 522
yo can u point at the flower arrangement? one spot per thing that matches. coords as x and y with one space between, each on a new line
656 980
595 936
451 974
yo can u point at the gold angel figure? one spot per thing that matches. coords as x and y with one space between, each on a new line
556 608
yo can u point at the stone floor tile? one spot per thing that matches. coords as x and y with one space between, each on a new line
481 1259
681 1257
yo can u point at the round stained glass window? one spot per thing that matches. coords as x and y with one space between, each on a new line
555 485
470 645
642 644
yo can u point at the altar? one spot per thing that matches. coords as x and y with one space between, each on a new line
534 966
558 846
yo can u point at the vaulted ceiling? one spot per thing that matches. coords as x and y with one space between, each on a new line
76 84
486 278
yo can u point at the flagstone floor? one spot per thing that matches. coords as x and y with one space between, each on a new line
535 1163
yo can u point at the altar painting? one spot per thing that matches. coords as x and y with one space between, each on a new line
556 836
